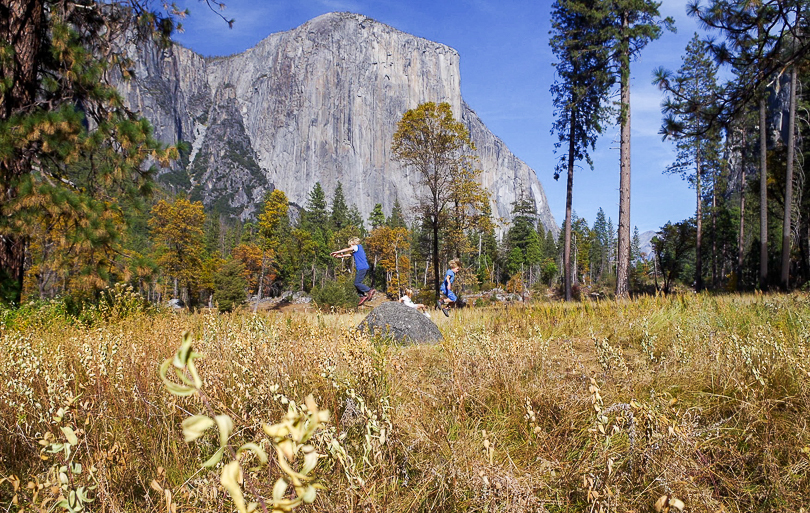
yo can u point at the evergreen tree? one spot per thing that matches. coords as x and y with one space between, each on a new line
396 219
635 247
691 103
522 237
339 216
612 246
514 261
356 219
672 246
377 217
230 286
759 40
627 27
600 250
579 93
316 213
55 57
550 247
636 259
316 221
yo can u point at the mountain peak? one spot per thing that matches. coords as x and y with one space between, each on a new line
318 103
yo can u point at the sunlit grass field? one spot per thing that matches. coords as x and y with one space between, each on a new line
698 402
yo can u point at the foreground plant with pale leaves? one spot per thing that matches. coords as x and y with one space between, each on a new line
289 439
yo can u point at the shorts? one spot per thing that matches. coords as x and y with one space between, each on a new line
449 293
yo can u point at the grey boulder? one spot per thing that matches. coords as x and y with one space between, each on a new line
403 323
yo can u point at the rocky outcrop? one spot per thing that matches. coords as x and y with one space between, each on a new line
318 103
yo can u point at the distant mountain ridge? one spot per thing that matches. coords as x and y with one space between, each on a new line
318 103
645 245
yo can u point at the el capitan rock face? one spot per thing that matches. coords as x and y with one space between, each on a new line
318 103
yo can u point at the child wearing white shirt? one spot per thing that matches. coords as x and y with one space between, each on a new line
407 301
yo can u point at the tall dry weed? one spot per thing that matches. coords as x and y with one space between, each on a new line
603 405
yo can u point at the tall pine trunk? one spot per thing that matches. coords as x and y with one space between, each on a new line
714 226
568 207
699 228
763 184
741 233
763 197
623 264
435 223
791 149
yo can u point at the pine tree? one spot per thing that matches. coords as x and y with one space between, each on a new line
377 217
355 219
636 258
759 40
56 58
396 219
316 213
339 216
54 62
601 245
628 26
672 245
229 286
690 106
522 236
316 222
579 93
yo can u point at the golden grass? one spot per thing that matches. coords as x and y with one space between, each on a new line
595 406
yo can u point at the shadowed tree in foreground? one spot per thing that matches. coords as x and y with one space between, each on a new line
70 153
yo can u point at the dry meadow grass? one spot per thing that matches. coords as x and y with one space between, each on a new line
595 406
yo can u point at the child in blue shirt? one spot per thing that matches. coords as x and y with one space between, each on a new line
446 287
355 249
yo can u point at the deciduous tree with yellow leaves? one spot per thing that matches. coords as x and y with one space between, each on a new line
273 223
177 229
389 247
429 140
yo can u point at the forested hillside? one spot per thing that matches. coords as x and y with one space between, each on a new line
82 211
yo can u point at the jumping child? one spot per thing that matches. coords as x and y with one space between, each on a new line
446 288
355 249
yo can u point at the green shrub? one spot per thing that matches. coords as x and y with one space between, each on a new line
339 294
230 286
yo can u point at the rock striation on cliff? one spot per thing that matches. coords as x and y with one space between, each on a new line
318 103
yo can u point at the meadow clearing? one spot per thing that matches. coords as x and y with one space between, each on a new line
698 402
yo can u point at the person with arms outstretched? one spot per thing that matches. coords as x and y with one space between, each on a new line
356 250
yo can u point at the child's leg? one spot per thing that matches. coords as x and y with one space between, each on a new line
362 288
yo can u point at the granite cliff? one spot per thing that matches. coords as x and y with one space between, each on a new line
318 103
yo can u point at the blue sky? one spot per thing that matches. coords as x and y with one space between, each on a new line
506 72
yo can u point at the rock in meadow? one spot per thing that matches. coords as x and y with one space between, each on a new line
403 323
